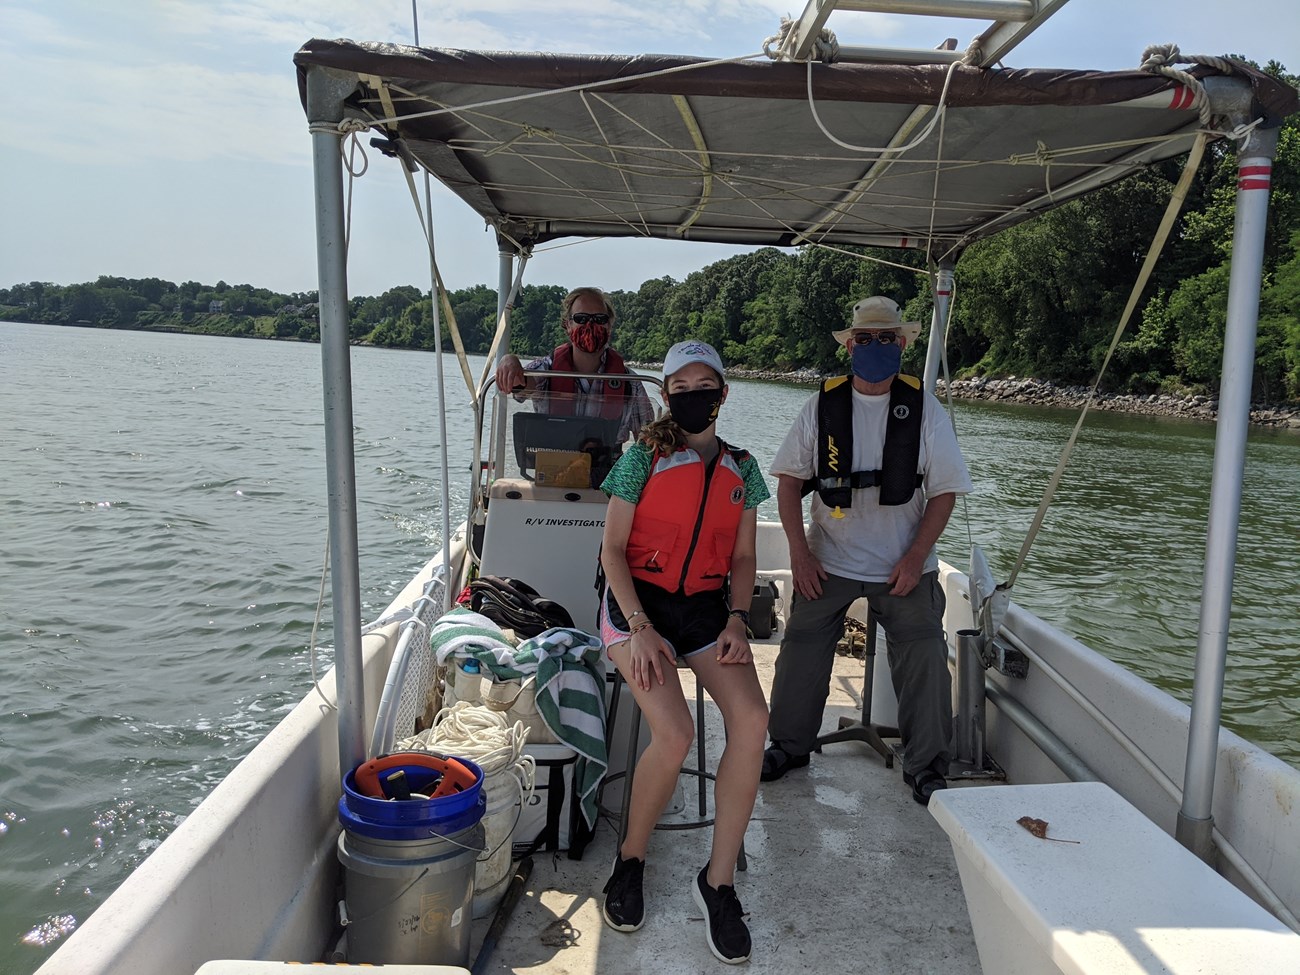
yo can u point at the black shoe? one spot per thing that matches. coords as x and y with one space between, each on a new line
724 919
924 784
777 761
624 907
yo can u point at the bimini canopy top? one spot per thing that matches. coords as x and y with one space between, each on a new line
545 146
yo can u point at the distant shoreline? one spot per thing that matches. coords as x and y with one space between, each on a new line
1044 392
1024 391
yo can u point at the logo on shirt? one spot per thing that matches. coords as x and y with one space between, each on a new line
901 412
737 494
613 383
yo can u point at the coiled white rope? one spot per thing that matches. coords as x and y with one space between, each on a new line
482 735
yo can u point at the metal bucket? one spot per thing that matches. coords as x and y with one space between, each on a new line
408 874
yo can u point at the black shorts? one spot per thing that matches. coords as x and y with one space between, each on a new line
690 624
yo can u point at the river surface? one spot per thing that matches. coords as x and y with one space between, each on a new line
163 525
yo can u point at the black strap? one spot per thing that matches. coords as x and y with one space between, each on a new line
855 481
834 443
513 604
902 449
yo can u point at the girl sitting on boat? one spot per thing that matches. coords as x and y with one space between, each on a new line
682 517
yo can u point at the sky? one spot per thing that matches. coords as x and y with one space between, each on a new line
165 138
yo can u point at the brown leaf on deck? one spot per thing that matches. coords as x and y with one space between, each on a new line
1039 828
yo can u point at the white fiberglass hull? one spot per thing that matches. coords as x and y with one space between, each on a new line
252 872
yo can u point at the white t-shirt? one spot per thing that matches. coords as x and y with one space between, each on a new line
869 540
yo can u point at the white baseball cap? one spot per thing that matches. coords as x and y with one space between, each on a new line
684 353
875 313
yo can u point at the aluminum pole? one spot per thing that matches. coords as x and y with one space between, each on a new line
505 280
325 93
1254 170
970 700
938 324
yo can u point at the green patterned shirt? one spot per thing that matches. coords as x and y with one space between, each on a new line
628 477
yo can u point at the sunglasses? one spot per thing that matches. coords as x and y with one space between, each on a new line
582 318
866 338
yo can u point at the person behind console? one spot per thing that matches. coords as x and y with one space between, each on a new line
588 317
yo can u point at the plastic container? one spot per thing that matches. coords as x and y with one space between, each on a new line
492 876
409 871
762 610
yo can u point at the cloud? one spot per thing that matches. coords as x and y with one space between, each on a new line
184 81
164 111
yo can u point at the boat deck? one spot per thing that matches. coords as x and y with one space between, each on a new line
846 873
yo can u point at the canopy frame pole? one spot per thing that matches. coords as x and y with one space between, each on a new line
505 281
1254 168
938 323
326 91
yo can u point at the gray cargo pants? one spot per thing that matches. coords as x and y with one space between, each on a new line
918 666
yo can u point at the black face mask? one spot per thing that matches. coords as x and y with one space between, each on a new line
695 409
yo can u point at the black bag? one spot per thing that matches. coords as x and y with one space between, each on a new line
512 604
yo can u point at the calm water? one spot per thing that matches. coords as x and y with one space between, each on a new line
162 526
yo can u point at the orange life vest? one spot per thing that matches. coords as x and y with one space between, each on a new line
613 393
686 521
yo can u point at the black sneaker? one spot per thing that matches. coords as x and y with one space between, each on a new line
725 919
924 784
624 908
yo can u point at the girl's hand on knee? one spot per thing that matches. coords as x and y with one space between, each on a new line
733 644
646 648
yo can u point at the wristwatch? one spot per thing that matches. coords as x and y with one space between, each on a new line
742 613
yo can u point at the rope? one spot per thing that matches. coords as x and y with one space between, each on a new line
480 734
438 291
503 321
347 129
947 386
826 48
1153 252
570 89
887 150
1160 58
315 625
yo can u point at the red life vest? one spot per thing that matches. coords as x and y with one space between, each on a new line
685 525
612 393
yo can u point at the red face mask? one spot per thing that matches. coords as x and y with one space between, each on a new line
589 337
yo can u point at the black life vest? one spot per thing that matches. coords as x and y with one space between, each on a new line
898 477
613 392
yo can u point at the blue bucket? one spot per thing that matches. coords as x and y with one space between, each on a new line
412 819
408 870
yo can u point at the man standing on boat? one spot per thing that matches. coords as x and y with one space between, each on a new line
881 455
588 317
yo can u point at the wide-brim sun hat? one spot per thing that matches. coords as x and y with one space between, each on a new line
684 353
878 312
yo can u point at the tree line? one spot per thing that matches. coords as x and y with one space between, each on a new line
1040 299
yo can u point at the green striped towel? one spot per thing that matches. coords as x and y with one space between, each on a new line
570 674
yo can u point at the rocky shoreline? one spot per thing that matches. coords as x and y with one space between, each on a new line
1036 392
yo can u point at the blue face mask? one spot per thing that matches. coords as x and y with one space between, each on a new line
874 363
